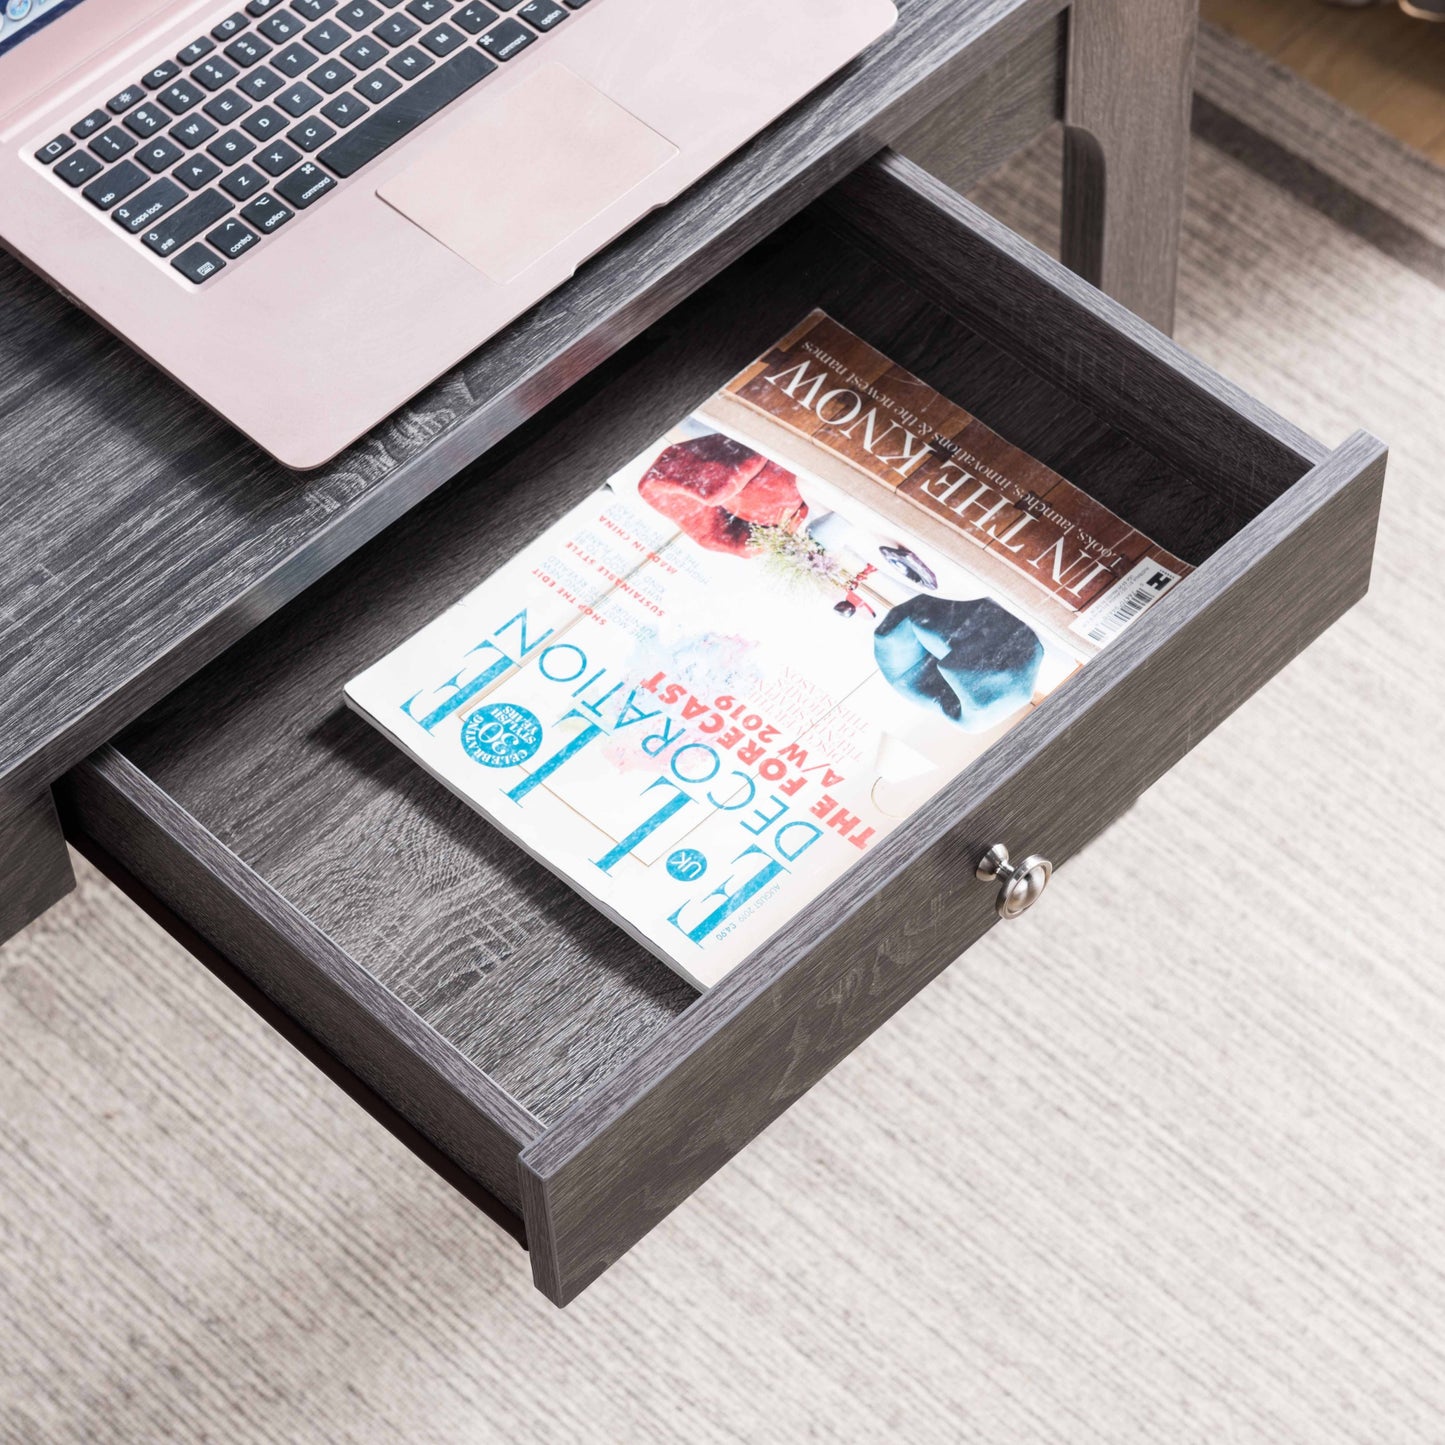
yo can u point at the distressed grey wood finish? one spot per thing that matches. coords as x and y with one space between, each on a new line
142 536
294 964
981 127
1130 80
524 977
1128 372
34 865
603 1176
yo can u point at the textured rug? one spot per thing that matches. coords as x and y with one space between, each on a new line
1166 1162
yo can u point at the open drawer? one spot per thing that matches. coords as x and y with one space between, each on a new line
556 1065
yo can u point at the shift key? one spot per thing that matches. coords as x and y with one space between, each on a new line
397 118
152 202
187 223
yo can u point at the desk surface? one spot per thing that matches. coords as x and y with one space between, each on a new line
140 535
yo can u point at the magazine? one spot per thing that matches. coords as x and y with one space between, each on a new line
719 681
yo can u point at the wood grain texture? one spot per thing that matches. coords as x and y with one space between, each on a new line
1134 377
603 1176
171 537
1126 110
441 1093
34 865
981 127
518 973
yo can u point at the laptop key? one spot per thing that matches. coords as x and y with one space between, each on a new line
232 239
198 263
345 110
112 144
192 131
132 95
575 4
298 100
542 15
294 59
115 185
230 147
257 8
313 9
198 49
146 120
139 213
247 50
409 62
429 10
509 38
261 82
304 186
84 129
264 124
331 77
244 182
196 171
359 14
475 17
401 116
226 107
181 97
396 30
327 36
54 150
76 169
443 40
281 26
215 73
310 134
377 86
231 25
163 74
364 52
266 214
186 224
277 158
158 155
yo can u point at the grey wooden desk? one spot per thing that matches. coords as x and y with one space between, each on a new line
140 537
551 1069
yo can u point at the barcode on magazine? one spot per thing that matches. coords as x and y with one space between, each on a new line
1126 601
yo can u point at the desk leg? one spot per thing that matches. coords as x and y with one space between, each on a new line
34 864
1128 90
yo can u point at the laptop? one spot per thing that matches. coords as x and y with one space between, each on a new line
307 210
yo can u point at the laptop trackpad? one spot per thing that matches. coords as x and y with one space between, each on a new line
526 172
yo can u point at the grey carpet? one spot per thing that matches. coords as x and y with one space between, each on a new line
1163 1162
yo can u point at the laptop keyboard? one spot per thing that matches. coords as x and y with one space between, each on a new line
223 144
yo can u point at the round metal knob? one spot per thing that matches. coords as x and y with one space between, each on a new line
1019 884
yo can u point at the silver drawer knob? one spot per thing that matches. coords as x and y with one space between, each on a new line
1019 884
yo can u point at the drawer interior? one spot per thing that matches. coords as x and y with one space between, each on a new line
510 966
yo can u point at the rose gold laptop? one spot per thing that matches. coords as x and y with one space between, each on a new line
306 210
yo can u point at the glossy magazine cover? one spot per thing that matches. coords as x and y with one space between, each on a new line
711 687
